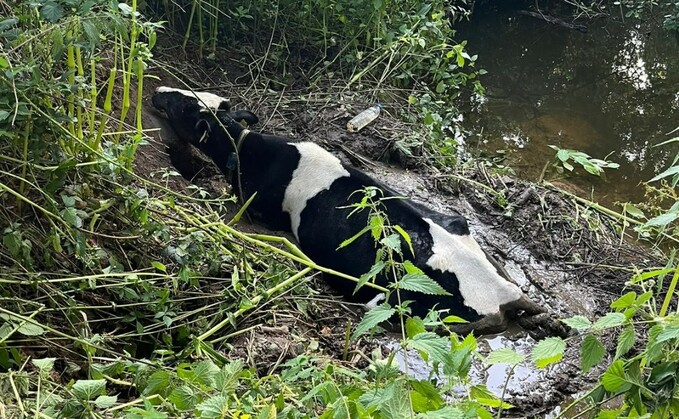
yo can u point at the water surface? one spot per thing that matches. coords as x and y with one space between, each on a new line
612 91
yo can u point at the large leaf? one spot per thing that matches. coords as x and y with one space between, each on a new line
591 352
610 320
396 404
578 322
625 341
662 220
430 345
45 365
205 373
669 172
614 379
447 412
227 378
184 398
548 351
216 407
104 402
52 11
88 389
504 356
421 283
158 383
374 317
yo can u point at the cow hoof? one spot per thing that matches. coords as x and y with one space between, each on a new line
543 325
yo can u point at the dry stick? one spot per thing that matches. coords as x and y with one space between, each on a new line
605 210
253 303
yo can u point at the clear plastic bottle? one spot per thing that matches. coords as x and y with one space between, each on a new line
364 118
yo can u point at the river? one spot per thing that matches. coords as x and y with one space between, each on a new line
612 92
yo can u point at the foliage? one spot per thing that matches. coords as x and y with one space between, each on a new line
592 166
384 44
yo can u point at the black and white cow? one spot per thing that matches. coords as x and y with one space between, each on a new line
301 188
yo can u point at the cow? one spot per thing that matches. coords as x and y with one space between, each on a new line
304 189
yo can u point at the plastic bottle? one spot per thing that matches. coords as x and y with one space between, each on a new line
364 118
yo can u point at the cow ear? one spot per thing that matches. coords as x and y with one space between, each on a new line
247 116
224 105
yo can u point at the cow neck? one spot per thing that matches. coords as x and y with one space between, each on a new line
233 163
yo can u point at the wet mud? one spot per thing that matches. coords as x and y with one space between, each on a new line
563 256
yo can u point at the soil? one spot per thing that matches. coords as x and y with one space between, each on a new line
564 256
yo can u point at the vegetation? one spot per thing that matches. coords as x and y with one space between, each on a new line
121 296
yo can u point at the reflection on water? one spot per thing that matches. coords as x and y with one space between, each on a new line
613 91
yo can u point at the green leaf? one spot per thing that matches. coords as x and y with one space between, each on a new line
44 365
216 407
625 341
396 405
353 238
485 397
88 389
610 320
227 379
504 356
633 210
91 33
104 402
429 396
548 351
406 237
184 398
454 319
158 383
52 11
669 332
669 172
624 301
376 226
447 412
592 352
430 345
372 273
393 242
440 86
421 283
30 329
414 326
70 215
159 266
578 322
372 318
662 220
205 373
4 114
563 155
614 380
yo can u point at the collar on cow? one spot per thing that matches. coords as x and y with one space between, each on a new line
232 161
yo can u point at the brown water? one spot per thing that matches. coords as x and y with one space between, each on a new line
613 91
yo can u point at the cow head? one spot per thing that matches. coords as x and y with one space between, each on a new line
194 115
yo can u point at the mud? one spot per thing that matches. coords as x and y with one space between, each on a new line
562 255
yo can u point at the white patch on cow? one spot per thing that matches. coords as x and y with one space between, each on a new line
316 171
209 100
481 286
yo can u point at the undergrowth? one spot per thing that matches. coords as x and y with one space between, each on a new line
123 297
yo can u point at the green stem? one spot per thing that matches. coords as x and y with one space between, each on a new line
670 293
